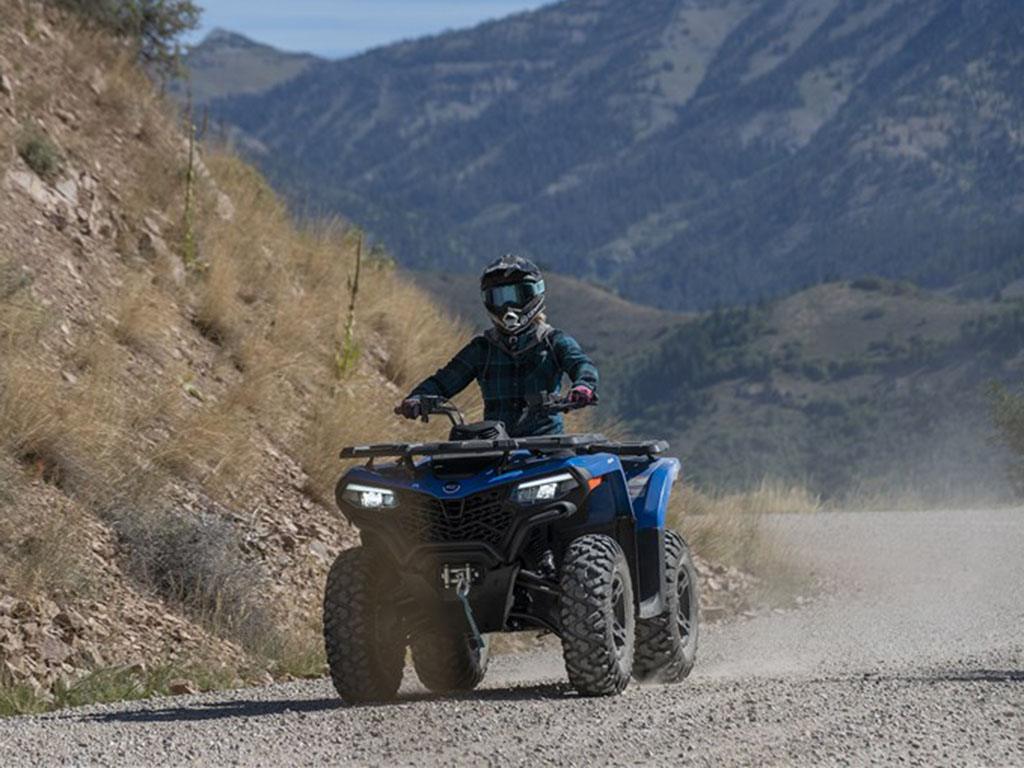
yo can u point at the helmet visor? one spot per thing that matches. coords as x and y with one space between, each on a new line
516 295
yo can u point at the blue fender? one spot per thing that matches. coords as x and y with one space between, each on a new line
650 490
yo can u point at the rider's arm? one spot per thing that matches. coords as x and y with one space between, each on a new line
458 374
575 362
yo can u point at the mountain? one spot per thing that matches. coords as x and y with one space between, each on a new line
687 153
229 64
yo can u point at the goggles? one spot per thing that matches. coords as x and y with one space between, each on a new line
516 295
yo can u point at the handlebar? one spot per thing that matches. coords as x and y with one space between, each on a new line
435 405
536 405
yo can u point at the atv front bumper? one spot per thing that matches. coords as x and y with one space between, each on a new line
420 564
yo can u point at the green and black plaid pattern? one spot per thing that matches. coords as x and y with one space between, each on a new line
506 380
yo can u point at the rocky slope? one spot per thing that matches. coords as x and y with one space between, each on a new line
687 153
165 446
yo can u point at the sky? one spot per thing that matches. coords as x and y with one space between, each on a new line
336 28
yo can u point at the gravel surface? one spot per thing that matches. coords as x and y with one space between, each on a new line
917 658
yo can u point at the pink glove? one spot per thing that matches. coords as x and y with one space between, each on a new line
581 395
410 408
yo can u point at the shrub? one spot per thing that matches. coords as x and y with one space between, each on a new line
196 562
814 370
39 153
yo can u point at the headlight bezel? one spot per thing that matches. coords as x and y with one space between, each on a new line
369 497
545 490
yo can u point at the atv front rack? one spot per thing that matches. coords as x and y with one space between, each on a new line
578 444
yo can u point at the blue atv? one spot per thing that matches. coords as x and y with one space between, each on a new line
485 533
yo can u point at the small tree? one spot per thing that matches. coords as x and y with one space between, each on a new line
156 25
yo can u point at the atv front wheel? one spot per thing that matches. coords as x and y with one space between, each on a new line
362 631
666 645
446 662
597 616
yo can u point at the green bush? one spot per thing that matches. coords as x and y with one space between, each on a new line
40 153
156 25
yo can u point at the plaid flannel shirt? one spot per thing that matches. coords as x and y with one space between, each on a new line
506 380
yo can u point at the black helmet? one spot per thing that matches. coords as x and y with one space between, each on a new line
513 290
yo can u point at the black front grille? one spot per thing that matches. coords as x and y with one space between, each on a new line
485 517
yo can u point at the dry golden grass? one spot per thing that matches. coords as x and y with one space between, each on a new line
277 296
68 435
769 498
36 552
144 318
218 308
732 528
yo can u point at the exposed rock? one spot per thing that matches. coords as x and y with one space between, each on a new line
6 85
97 82
68 189
31 185
53 651
153 247
225 208
319 550
67 117
182 687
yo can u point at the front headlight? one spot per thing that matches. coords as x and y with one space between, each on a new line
368 497
545 489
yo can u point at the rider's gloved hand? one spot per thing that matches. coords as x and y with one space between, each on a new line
411 408
581 395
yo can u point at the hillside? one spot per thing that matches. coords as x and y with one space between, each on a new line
690 154
170 403
859 389
856 390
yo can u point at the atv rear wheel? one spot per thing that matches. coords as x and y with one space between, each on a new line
362 632
666 645
446 662
597 616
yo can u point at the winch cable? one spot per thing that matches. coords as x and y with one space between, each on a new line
476 640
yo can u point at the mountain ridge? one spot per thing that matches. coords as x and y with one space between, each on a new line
686 154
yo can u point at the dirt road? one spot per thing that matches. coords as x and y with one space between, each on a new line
916 659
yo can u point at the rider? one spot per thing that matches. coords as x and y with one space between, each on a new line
520 356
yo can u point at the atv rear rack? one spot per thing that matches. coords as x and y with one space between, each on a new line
578 444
